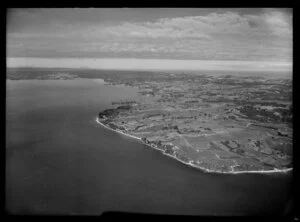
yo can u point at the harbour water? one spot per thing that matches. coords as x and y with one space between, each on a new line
60 161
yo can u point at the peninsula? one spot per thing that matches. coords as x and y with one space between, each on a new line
218 123
222 124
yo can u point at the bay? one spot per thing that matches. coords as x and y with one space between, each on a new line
60 161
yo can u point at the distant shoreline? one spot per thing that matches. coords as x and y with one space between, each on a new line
150 64
194 166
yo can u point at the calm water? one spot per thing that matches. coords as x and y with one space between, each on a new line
59 160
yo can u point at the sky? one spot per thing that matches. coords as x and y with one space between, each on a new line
151 37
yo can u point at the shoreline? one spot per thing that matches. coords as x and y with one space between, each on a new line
194 166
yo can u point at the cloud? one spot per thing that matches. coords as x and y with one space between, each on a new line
219 35
270 23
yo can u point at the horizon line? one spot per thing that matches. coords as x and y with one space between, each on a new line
148 64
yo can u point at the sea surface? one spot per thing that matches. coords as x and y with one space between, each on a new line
60 161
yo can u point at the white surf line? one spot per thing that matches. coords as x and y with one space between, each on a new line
118 131
195 166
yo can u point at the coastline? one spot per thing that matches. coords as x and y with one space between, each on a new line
194 166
